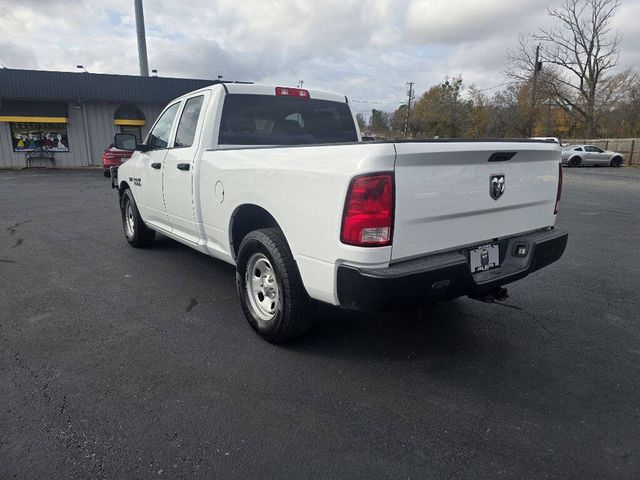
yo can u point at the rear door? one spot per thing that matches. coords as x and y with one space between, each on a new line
148 185
454 194
179 168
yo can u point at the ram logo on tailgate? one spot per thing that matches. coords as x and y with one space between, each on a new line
496 185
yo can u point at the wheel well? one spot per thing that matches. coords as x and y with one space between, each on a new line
575 157
617 157
245 219
123 186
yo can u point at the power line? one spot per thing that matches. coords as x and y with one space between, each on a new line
404 101
496 86
378 101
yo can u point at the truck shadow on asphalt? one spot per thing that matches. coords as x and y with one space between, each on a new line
457 328
430 331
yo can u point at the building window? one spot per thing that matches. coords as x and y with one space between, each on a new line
132 129
129 119
27 137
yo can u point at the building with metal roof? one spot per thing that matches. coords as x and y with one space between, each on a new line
72 117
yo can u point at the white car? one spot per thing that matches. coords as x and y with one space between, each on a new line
577 155
277 182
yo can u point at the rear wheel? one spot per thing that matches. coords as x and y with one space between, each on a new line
574 162
135 230
271 292
615 162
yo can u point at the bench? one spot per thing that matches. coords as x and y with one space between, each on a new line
39 155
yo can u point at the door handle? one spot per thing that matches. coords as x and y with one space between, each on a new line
156 165
183 166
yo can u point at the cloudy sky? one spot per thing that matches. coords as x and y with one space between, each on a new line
365 49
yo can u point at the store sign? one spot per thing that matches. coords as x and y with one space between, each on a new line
29 137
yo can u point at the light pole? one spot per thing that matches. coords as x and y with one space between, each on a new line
142 40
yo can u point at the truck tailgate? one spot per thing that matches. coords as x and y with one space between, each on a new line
443 197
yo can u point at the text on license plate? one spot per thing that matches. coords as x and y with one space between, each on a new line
483 258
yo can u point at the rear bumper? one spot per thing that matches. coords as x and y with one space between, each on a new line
106 164
447 275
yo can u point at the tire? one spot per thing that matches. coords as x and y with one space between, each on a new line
271 292
135 230
616 162
574 162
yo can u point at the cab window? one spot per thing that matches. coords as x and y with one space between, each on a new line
159 136
281 120
188 122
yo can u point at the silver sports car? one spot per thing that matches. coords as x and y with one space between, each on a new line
576 155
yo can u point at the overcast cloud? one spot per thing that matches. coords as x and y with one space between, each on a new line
367 50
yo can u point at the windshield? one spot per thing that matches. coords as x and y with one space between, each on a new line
272 120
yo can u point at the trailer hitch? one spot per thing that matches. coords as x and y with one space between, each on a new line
492 296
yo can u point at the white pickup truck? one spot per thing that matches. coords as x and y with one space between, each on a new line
277 181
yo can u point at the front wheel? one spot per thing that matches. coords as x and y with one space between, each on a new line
271 292
615 162
135 230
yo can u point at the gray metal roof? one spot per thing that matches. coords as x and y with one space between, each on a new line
46 85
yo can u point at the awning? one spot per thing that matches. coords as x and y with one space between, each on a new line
124 121
33 112
128 115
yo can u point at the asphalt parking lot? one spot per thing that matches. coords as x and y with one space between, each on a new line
124 363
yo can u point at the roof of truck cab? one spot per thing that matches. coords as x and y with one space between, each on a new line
254 89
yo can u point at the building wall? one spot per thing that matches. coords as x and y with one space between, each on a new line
86 145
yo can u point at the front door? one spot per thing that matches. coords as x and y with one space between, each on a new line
593 155
148 185
179 169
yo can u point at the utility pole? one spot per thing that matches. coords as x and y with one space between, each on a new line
142 40
537 66
410 94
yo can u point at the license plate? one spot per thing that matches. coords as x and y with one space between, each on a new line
484 258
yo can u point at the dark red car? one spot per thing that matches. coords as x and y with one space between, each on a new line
113 157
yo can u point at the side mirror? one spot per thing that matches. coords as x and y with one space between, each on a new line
125 141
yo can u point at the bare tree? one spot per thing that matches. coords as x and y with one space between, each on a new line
579 54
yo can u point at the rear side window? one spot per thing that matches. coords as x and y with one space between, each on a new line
271 120
579 149
188 122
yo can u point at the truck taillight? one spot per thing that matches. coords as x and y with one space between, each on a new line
559 193
292 92
368 211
